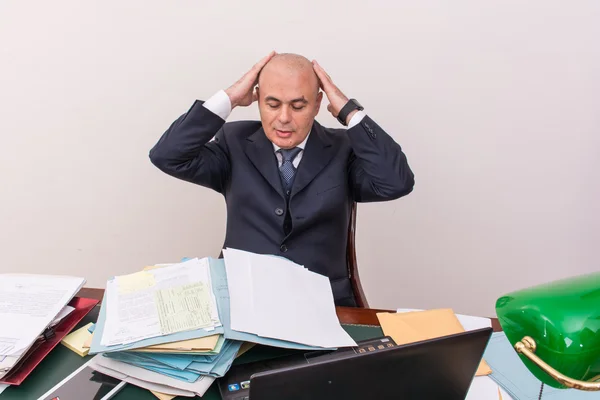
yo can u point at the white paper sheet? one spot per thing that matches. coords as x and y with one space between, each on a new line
29 304
62 314
7 363
241 305
130 317
468 322
505 396
483 388
295 304
199 387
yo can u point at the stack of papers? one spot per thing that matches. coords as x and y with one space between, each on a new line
29 306
159 384
274 298
174 328
163 321
159 302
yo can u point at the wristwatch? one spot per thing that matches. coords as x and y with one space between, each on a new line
350 106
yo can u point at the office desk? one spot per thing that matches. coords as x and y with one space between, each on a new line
359 323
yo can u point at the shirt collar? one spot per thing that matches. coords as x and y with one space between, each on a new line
301 145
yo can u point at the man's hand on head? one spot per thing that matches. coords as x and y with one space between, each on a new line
242 92
337 99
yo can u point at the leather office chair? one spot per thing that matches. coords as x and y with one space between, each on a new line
359 294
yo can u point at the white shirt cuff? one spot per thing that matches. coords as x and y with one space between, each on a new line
356 118
219 104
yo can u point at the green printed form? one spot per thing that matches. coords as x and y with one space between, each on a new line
184 308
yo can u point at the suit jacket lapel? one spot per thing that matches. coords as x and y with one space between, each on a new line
317 154
260 152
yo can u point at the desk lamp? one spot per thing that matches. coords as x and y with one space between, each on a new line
555 328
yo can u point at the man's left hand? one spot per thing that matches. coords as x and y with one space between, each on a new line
337 99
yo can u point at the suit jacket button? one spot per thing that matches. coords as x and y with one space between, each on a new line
283 248
278 211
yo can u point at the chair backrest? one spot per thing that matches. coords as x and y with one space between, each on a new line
359 294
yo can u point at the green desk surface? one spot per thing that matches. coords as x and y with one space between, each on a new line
62 361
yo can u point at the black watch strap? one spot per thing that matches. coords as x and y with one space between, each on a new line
350 106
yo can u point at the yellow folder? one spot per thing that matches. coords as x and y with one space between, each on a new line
200 345
415 326
192 346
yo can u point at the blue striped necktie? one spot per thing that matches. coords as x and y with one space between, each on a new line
287 169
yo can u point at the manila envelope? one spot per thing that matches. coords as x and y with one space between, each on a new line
415 326
162 396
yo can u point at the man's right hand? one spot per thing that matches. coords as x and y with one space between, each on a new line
242 92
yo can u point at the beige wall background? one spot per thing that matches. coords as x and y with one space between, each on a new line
496 104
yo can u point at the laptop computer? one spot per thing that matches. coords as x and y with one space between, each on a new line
440 368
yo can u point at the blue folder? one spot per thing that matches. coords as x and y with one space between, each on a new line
176 361
221 365
129 358
172 365
221 291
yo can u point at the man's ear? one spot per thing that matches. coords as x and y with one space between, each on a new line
318 105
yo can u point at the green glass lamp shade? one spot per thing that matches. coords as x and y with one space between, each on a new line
563 319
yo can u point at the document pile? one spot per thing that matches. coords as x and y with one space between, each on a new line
160 329
30 307
173 329
281 303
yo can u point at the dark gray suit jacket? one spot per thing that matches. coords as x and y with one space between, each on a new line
338 167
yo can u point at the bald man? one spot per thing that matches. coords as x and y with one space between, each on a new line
288 182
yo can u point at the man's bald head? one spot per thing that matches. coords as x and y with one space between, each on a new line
288 99
290 60
292 66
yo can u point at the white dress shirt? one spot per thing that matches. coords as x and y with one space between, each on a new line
220 104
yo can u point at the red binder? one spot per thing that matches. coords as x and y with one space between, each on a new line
52 337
